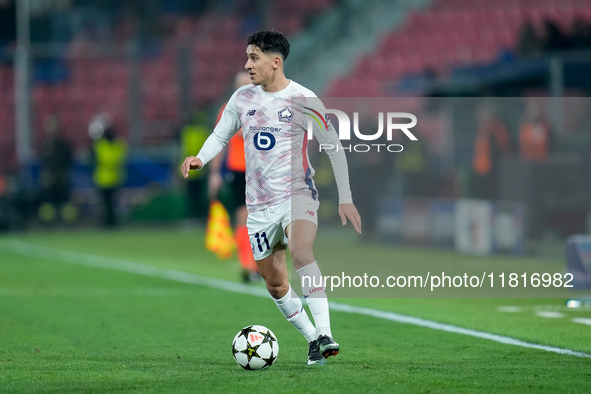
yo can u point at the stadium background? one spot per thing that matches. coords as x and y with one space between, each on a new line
156 66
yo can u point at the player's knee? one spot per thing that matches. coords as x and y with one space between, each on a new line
301 256
277 290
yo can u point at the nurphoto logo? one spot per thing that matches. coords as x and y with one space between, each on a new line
393 124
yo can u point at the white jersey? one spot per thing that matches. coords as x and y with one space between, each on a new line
274 127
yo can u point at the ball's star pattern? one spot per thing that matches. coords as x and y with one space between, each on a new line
269 338
269 361
246 330
251 351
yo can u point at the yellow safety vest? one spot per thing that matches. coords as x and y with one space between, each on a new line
110 159
192 139
412 160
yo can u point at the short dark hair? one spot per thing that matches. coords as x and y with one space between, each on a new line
270 41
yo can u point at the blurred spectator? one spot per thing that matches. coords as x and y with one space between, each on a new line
7 22
529 41
56 162
5 206
192 137
109 154
17 202
3 185
95 19
491 143
580 37
534 132
412 163
553 38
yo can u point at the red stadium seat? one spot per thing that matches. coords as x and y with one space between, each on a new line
452 32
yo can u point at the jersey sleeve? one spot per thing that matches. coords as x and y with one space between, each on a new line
326 134
226 127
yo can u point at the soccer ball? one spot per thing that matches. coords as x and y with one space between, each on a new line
255 347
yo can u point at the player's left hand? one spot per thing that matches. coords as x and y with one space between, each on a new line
348 211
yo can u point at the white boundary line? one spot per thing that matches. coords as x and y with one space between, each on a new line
42 252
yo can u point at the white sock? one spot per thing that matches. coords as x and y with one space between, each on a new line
314 290
291 307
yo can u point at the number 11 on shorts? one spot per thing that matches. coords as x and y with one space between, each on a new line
262 236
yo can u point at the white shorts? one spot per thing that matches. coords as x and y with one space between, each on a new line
267 227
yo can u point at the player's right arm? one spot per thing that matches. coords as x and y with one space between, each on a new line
228 125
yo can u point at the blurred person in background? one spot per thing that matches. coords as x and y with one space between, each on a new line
535 137
234 161
529 42
55 187
580 34
7 24
192 137
491 143
5 206
553 38
109 157
412 164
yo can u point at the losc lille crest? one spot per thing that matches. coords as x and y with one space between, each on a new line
285 115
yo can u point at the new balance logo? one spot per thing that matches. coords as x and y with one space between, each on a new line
255 337
251 112
310 212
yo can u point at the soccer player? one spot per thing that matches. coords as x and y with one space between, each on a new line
281 197
236 165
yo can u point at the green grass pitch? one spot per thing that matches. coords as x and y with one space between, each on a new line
68 327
